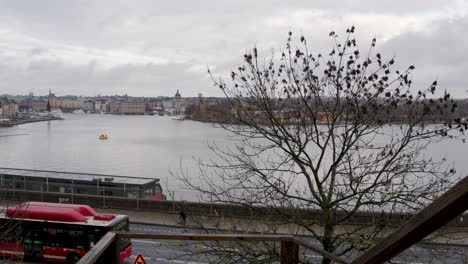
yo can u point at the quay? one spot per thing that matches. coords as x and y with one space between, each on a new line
142 195
14 122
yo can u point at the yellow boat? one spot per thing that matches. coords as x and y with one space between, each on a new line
102 137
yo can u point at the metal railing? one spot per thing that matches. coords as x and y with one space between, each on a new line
201 208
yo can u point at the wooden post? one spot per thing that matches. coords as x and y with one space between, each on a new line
106 247
72 192
116 251
289 252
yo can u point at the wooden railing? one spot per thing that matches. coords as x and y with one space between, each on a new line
107 248
436 215
451 204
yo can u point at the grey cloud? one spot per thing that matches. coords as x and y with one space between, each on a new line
148 79
37 51
438 53
65 35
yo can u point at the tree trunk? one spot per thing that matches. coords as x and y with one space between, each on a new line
327 240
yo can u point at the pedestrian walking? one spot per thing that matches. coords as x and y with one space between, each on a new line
183 216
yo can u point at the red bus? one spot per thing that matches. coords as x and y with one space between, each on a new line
55 232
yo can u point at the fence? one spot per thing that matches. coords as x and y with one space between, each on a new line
204 209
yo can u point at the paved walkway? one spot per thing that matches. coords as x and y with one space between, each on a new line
444 236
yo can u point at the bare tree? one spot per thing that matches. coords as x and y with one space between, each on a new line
10 229
342 133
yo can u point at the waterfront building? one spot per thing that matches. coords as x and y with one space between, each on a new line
88 106
72 105
8 107
132 108
54 101
174 105
39 105
98 105
127 108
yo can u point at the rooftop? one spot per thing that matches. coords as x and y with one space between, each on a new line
60 213
89 177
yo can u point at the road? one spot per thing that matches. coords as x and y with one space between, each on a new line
180 252
167 252
163 251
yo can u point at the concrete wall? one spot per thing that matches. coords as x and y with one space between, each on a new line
208 209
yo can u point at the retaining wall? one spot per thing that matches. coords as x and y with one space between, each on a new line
209 209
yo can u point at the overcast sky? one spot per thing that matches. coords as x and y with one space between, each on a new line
152 48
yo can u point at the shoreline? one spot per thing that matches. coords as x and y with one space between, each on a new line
16 122
322 123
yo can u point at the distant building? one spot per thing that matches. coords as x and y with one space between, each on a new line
175 105
98 105
39 105
177 95
54 102
127 108
9 108
72 104
88 106
133 107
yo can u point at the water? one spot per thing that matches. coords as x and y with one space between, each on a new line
145 146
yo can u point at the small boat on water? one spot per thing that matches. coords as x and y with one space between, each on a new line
180 117
56 113
79 111
103 137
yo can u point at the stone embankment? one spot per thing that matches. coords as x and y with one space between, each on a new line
14 122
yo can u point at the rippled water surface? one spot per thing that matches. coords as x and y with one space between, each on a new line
146 146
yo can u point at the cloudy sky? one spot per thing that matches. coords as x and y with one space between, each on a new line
152 48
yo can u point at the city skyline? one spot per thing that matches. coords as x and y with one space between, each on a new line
155 48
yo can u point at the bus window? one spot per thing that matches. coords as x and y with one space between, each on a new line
52 240
51 232
122 226
92 240
76 239
32 235
10 230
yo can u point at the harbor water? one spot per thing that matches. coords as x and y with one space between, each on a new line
143 146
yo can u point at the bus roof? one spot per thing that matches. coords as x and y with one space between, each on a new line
60 213
90 177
